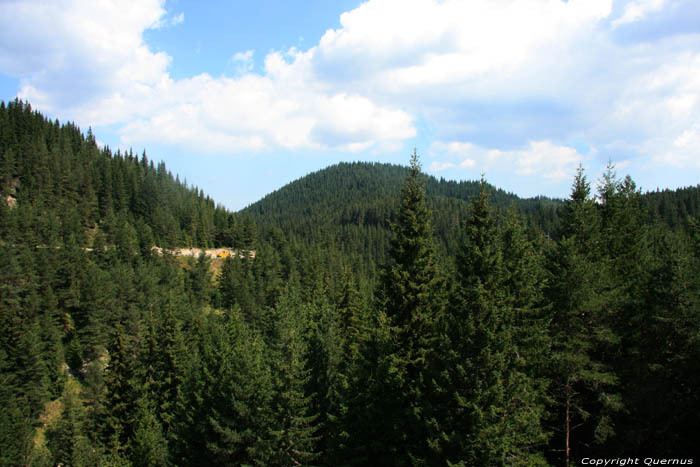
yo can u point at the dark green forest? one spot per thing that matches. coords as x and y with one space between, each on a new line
372 315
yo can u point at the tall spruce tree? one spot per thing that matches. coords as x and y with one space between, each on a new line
412 299
229 392
629 309
525 280
583 384
495 411
149 446
348 371
624 252
161 373
293 432
121 396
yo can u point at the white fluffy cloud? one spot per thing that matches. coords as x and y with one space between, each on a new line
503 74
90 62
503 83
71 53
255 112
637 10
408 45
539 160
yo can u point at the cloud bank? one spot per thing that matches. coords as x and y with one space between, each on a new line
507 84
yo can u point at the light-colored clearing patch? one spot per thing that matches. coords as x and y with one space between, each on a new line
11 201
212 253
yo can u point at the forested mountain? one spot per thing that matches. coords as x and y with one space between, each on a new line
354 199
355 193
52 172
386 317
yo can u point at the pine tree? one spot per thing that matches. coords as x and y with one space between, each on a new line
623 228
293 434
52 352
149 446
248 234
345 344
16 420
661 399
228 397
412 298
237 286
121 396
17 431
200 283
126 241
495 413
629 305
525 280
20 336
98 302
583 385
162 369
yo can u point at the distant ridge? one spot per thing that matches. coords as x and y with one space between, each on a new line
365 193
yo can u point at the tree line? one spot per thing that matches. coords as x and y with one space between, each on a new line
496 343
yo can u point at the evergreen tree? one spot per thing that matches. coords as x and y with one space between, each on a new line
346 342
495 411
126 241
660 396
628 262
16 430
412 297
121 396
98 303
20 335
623 228
304 350
200 281
163 371
237 286
93 394
52 354
293 434
16 418
149 445
525 281
228 392
583 385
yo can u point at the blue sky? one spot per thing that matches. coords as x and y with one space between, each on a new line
241 97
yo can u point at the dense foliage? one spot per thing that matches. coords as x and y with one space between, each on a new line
355 204
375 316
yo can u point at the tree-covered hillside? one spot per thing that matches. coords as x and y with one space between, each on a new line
366 194
62 183
386 318
350 206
